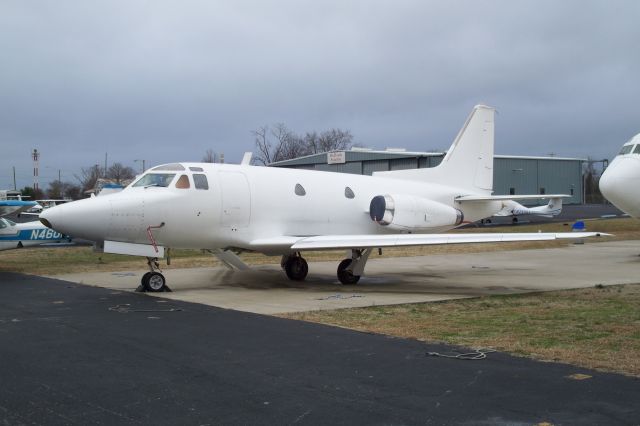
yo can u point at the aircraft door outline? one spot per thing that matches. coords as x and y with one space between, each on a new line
235 200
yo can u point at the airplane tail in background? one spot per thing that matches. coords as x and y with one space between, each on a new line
468 163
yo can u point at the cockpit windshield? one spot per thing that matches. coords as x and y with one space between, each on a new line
626 150
155 179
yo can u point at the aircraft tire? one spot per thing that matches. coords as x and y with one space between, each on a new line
347 277
154 282
296 268
145 279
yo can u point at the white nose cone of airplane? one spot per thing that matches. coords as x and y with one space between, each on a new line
620 183
88 219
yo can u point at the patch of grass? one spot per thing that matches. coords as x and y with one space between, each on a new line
595 328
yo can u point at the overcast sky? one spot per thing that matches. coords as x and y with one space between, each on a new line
166 80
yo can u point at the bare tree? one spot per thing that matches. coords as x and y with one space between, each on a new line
209 156
262 145
88 177
329 140
72 191
55 190
274 144
591 179
279 143
59 190
31 194
120 173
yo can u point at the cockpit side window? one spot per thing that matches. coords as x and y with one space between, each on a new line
636 150
155 179
299 190
626 149
3 224
200 181
183 182
348 192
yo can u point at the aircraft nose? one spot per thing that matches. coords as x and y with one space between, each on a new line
79 219
46 217
607 182
618 181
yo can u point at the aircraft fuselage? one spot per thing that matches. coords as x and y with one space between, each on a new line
246 203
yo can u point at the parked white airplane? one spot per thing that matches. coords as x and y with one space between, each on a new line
513 208
280 211
620 182
41 205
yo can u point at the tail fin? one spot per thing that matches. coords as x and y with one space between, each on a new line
469 161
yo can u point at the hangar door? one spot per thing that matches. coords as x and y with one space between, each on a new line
236 199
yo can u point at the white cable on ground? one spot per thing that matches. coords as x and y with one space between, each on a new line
480 353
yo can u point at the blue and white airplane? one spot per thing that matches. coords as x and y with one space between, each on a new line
16 235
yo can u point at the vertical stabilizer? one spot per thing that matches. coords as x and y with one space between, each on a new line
468 163
470 157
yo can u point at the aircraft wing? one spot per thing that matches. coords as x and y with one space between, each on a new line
328 242
14 206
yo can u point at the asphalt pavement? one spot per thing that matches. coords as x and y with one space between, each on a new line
73 354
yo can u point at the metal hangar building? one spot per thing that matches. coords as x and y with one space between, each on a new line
512 175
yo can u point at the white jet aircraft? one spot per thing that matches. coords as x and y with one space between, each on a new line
620 182
229 208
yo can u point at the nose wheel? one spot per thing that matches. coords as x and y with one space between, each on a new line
153 281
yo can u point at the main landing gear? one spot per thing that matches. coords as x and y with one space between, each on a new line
153 281
349 270
295 266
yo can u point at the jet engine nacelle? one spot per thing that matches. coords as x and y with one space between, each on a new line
411 213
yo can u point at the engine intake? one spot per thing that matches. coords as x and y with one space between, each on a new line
411 213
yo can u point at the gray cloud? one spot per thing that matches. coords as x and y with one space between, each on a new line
166 80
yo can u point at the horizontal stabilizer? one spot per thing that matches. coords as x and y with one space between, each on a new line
509 197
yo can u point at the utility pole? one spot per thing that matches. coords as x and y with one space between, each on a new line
105 163
36 157
59 179
14 179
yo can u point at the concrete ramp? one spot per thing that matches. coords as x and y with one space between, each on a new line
265 289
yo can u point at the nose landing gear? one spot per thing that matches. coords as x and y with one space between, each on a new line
153 281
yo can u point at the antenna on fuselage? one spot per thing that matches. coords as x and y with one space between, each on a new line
246 159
